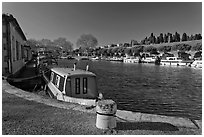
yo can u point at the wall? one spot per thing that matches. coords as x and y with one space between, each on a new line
5 68
17 62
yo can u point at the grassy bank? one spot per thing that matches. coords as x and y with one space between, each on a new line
191 43
20 116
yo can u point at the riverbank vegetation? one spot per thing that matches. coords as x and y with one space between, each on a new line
87 45
136 50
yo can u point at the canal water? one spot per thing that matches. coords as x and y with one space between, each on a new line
148 88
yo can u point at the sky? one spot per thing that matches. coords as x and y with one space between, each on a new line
115 22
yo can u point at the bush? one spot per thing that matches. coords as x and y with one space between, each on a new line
149 49
197 47
181 47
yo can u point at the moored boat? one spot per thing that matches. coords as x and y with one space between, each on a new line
73 85
197 63
131 60
95 58
175 61
116 59
150 59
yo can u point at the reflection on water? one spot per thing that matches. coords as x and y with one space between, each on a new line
149 88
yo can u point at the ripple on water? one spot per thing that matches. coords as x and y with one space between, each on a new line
175 91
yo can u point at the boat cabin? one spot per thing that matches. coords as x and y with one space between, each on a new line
74 83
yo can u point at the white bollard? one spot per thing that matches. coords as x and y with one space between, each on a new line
106 110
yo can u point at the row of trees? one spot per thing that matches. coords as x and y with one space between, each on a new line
85 41
166 38
57 44
87 44
136 50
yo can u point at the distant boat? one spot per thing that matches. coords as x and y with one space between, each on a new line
131 60
197 63
72 85
150 59
63 57
70 58
116 59
95 58
175 61
84 58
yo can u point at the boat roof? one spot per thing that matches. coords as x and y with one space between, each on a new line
71 72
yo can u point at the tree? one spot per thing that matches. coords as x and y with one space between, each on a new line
87 40
32 43
128 51
63 44
136 50
184 47
165 38
149 49
104 51
170 38
198 36
151 38
158 40
109 52
161 38
184 37
126 45
176 37
45 42
197 47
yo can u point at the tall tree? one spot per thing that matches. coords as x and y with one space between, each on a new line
63 44
32 43
184 37
45 42
165 38
86 41
151 38
177 37
161 38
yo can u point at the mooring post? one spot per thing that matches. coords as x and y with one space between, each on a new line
106 110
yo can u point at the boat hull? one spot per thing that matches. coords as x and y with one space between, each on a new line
53 92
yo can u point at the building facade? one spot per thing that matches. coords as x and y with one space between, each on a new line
13 42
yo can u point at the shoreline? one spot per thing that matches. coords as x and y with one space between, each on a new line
122 115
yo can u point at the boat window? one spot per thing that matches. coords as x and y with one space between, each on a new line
57 81
85 85
77 85
52 76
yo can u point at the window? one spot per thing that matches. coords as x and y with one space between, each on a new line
77 85
52 76
22 52
17 50
85 85
57 81
13 46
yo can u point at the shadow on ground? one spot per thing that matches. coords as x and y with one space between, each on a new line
146 126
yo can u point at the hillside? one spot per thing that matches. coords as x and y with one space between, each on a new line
191 43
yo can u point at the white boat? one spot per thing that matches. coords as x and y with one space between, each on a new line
131 60
151 59
197 63
116 59
95 58
73 85
175 61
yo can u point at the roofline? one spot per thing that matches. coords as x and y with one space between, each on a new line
10 18
70 74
